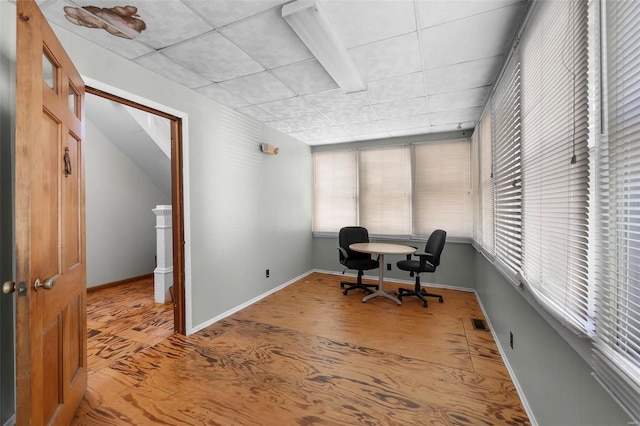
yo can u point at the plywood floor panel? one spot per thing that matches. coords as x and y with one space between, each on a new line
305 355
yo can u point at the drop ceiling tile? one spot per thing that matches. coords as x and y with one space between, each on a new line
480 36
268 39
167 22
372 136
282 126
218 94
224 12
459 100
258 88
336 99
160 64
307 122
360 22
352 115
54 12
411 132
305 77
326 133
256 113
401 108
396 88
438 12
214 57
466 75
455 116
368 128
289 108
331 141
388 58
403 123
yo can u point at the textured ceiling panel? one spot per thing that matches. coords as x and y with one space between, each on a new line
395 88
336 99
429 64
402 107
162 65
258 88
217 93
466 75
54 11
361 22
352 115
269 40
225 12
463 99
289 108
479 36
438 12
388 58
305 77
203 55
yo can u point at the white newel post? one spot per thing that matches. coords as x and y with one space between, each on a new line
163 274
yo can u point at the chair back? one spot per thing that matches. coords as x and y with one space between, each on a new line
435 245
350 235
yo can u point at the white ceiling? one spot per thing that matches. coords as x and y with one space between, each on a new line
429 64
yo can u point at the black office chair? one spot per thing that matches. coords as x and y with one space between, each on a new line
353 259
429 261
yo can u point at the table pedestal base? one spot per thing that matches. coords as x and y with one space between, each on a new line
380 292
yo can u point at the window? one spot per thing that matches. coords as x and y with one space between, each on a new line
617 340
486 222
385 190
397 191
442 194
555 159
334 190
505 108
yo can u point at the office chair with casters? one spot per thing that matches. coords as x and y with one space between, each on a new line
429 261
353 259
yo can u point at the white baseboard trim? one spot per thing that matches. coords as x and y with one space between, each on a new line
11 421
397 281
245 304
514 379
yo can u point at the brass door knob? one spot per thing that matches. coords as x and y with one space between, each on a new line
8 287
46 284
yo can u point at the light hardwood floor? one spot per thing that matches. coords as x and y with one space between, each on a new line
306 355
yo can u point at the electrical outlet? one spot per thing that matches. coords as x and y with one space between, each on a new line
388 266
511 339
266 273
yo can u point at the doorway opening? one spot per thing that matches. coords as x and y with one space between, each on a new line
177 199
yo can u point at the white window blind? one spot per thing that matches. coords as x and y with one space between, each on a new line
385 190
475 182
555 115
334 190
507 167
617 339
487 221
442 188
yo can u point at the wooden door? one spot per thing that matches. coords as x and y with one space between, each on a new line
51 350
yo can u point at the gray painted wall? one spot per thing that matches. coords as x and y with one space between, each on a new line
556 380
456 263
248 211
7 132
121 234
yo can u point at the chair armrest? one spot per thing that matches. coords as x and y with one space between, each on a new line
343 252
423 259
